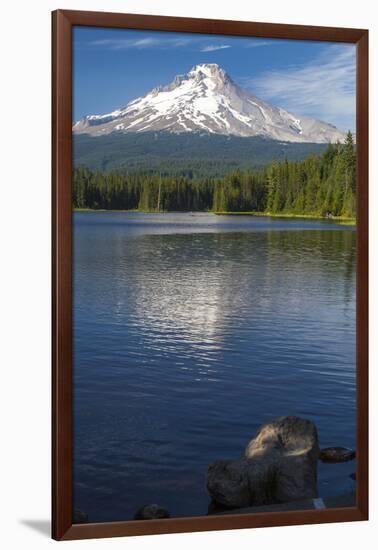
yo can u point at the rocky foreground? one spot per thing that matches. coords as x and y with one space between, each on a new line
279 467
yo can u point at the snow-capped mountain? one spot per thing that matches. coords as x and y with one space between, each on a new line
207 100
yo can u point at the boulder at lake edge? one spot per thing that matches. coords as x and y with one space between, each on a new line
295 441
227 483
279 465
151 511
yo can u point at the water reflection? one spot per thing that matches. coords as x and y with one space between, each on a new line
188 334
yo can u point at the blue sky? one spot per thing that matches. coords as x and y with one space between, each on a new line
114 66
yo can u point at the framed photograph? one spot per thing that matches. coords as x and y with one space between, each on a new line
210 274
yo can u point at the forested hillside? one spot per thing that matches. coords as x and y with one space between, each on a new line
192 155
319 185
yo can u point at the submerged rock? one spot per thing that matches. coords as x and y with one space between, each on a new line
279 465
80 517
337 454
216 508
151 511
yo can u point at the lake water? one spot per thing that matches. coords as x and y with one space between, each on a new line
190 331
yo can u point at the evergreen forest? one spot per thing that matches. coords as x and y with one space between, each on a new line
321 185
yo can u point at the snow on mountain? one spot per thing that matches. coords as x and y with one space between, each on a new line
207 100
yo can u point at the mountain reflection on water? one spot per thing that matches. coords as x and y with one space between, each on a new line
190 330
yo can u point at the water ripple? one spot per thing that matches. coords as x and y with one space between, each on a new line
192 330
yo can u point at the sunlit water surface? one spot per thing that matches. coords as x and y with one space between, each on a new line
190 330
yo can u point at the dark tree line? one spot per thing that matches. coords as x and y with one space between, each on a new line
320 185
117 191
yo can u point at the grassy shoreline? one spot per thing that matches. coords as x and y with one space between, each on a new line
339 219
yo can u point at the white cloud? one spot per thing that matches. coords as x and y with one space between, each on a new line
141 43
163 43
199 43
259 43
157 42
214 48
324 88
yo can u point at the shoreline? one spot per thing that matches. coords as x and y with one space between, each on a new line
338 219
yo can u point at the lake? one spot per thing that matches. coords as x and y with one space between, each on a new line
190 331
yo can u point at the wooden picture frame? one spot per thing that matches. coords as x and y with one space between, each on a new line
62 526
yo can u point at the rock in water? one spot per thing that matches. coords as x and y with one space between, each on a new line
228 484
243 482
80 517
295 442
279 465
336 454
151 511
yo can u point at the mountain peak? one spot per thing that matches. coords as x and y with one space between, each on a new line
207 100
209 69
201 66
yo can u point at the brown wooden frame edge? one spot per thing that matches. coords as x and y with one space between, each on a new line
62 23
